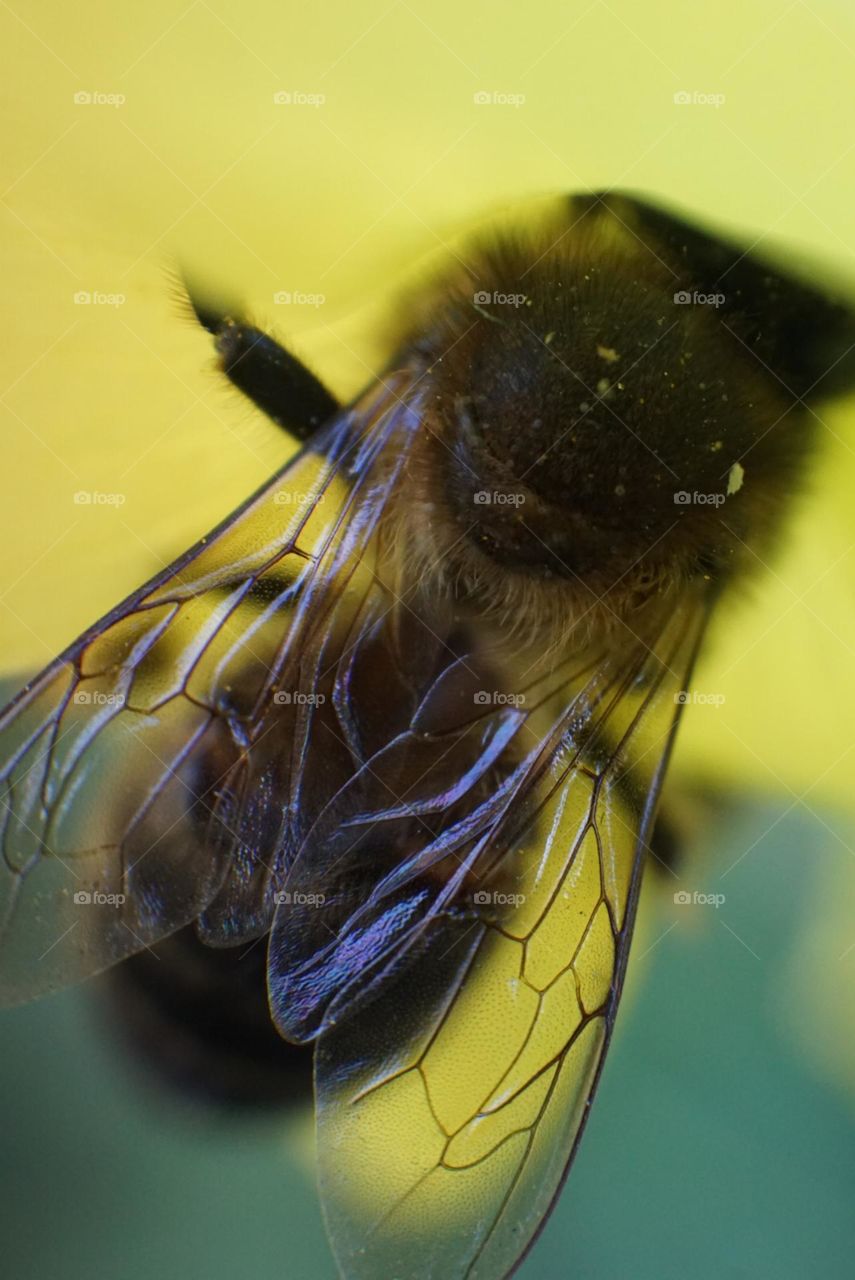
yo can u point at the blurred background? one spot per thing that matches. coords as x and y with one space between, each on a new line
302 160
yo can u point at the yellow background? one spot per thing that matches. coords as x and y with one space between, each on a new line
199 165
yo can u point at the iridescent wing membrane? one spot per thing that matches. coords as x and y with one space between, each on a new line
146 774
445 847
463 1017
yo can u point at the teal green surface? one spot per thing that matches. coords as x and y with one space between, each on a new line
715 1149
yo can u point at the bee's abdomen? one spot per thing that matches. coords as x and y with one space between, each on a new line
199 1018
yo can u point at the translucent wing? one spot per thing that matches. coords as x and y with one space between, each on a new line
454 1081
145 776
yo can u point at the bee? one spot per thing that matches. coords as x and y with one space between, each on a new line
399 724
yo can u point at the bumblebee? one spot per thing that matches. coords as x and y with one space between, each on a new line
397 728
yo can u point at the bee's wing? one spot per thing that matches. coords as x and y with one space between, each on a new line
132 781
452 1095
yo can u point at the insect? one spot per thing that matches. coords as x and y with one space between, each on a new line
403 718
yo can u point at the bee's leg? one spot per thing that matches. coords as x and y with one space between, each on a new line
270 376
198 1017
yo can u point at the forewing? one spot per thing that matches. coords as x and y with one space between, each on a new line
144 775
450 1104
